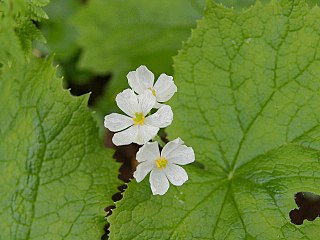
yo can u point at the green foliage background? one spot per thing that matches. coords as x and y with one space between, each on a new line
247 102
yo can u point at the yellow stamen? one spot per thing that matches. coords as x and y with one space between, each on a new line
161 163
138 118
153 91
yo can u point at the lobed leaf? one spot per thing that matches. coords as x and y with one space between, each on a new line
248 103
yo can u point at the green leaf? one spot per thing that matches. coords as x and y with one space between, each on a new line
60 34
242 4
17 27
119 36
61 38
248 103
239 4
56 177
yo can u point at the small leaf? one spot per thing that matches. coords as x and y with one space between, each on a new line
18 29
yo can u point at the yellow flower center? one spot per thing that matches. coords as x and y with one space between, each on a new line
153 91
161 163
138 118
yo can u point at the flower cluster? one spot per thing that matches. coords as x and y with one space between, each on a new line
140 126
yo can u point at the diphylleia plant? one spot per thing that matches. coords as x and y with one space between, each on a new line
141 127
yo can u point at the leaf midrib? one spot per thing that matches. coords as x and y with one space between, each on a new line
245 134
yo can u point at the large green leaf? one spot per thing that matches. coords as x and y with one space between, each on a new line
243 4
248 103
56 177
239 4
118 36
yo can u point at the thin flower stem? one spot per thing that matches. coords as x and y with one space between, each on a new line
158 139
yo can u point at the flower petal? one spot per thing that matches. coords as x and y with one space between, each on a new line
171 146
125 137
127 101
145 133
158 105
159 182
178 154
146 102
142 170
141 79
165 88
148 152
162 118
176 174
116 122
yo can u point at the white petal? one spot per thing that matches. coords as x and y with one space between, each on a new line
176 174
158 105
148 152
171 146
177 153
162 118
177 141
141 79
142 170
165 88
116 122
125 137
159 182
146 102
127 101
145 133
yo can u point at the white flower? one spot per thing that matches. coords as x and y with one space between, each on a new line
163 166
138 127
142 79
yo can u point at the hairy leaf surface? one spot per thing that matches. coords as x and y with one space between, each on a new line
248 103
